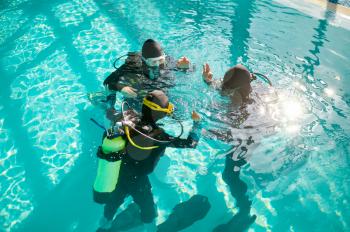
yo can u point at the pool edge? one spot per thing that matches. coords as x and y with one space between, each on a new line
337 8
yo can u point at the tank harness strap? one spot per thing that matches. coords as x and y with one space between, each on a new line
134 144
111 157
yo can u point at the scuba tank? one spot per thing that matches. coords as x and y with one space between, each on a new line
109 156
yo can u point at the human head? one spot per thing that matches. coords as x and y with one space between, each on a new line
159 98
151 49
238 78
152 58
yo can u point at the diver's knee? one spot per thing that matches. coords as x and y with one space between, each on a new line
147 216
147 219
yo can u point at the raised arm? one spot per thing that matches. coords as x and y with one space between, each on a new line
207 76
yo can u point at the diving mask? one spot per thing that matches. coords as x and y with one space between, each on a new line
153 106
154 62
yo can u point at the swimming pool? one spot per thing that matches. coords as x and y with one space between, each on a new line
54 53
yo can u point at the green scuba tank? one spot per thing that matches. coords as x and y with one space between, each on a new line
109 161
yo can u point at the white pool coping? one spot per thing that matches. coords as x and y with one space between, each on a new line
318 8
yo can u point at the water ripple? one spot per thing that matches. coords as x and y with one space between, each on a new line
50 114
28 46
15 197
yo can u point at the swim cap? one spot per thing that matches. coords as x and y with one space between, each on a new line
151 49
238 77
158 97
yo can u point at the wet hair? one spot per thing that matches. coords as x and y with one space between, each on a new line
151 49
238 77
159 98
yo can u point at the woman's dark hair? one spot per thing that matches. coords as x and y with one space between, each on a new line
238 77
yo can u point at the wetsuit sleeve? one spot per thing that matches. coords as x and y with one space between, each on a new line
112 81
190 142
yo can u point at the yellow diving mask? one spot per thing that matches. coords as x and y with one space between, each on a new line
153 106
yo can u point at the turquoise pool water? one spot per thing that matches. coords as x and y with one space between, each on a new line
297 172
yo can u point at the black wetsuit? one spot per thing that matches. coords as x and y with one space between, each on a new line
137 164
131 74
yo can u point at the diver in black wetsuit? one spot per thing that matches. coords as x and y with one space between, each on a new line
237 85
141 154
236 82
144 72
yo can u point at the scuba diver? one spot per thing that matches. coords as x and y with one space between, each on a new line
144 72
136 153
236 82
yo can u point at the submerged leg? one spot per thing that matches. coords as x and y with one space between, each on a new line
142 195
238 188
117 199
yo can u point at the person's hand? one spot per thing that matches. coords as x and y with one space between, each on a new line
128 91
207 74
195 116
183 63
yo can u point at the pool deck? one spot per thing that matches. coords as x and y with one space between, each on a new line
320 9
332 6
